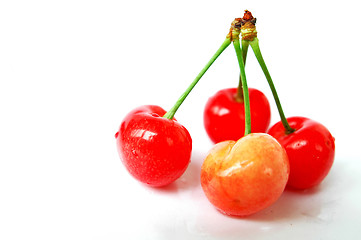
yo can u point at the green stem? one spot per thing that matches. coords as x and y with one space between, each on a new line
247 108
257 52
245 45
173 110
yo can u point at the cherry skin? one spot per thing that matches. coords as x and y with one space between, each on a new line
310 149
224 115
241 178
155 150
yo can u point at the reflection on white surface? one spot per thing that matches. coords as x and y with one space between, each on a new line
181 211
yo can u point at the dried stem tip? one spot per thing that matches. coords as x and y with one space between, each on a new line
248 16
248 26
235 29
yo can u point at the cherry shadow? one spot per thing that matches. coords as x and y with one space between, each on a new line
293 204
297 204
190 178
308 203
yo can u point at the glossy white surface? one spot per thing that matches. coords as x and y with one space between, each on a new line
71 70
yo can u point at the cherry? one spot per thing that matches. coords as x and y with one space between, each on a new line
155 150
310 148
224 114
309 145
241 178
152 145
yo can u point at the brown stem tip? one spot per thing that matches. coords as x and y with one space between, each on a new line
248 26
235 29
248 16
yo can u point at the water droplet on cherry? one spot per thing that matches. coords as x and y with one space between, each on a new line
134 153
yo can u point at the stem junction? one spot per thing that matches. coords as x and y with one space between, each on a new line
241 62
249 37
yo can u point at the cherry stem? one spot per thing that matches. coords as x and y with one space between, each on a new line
245 45
257 52
241 62
170 114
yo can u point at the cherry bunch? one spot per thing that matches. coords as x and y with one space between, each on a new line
250 164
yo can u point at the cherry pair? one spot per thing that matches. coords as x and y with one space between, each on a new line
309 145
244 177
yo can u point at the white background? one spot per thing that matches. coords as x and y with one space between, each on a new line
71 70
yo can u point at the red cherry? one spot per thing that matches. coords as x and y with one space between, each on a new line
224 116
155 150
310 149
